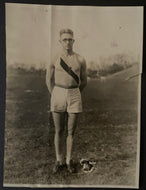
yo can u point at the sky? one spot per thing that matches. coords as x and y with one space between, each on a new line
32 31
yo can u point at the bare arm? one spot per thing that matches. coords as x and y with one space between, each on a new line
83 75
50 77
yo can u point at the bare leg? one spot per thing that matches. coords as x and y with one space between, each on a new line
59 120
72 120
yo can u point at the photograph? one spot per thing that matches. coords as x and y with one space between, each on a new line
73 96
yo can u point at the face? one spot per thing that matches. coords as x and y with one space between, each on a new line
66 41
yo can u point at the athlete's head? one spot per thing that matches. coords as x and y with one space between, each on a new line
66 39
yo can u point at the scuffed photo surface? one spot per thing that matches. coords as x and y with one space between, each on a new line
107 134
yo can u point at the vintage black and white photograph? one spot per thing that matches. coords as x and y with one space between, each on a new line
73 88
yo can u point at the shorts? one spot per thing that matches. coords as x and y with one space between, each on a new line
66 100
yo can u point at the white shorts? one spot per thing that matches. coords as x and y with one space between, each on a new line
66 100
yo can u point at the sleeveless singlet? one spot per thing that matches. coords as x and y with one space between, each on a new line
71 61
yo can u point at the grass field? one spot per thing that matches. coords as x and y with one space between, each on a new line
106 132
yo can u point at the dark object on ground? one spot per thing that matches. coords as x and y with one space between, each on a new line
87 166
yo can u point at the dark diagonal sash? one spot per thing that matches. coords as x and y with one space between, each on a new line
69 70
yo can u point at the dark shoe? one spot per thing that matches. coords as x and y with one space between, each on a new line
70 168
57 167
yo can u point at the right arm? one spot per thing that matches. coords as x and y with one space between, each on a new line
50 77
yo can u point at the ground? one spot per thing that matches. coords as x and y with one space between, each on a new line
106 132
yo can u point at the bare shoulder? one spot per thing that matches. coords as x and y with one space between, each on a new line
54 59
81 60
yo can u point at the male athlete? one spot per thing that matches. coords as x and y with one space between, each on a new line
66 78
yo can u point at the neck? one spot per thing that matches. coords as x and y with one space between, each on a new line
68 52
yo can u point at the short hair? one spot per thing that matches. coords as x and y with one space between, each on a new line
69 31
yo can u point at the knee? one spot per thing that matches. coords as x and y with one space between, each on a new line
59 132
70 133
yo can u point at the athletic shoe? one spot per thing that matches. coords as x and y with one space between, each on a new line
57 167
70 167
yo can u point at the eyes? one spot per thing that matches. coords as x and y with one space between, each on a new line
68 40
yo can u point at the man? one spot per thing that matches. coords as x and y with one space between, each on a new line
66 78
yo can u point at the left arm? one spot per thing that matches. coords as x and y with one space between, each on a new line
83 75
